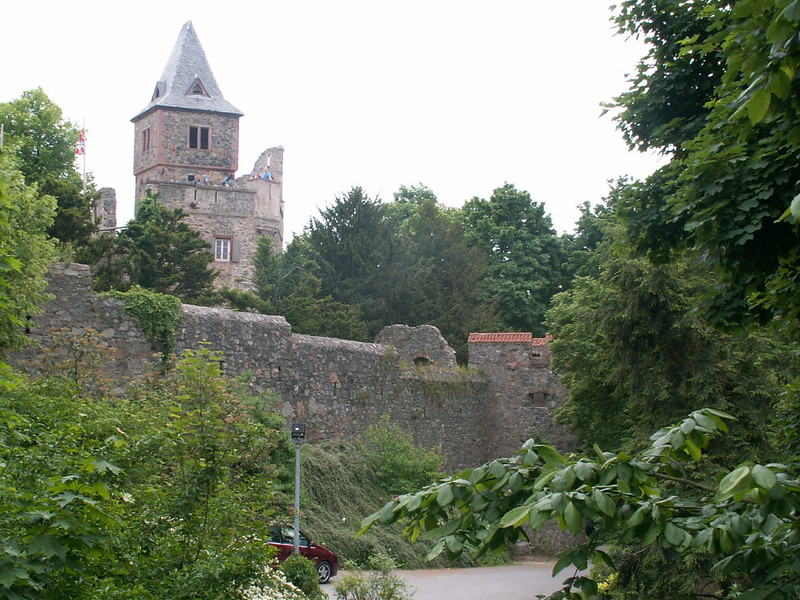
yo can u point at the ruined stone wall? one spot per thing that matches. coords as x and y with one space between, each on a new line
104 211
523 393
337 387
76 311
423 344
340 387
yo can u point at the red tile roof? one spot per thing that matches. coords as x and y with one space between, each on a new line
494 338
508 338
542 341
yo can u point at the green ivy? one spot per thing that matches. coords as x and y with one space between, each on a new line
157 314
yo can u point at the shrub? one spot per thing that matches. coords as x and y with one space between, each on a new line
302 573
272 585
400 465
375 586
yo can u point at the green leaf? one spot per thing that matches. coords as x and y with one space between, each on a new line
10 575
604 503
445 495
550 455
637 518
497 469
792 12
651 535
444 530
763 477
585 471
538 518
516 516
794 136
453 544
780 84
758 106
436 550
693 450
47 546
734 481
563 563
101 466
674 535
573 519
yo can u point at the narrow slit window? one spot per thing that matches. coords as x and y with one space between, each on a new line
146 140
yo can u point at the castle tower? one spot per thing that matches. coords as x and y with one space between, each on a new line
186 149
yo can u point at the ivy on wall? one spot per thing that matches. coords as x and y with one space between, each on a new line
157 314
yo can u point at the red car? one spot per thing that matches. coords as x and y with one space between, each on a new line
282 538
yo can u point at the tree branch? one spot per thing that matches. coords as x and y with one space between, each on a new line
689 482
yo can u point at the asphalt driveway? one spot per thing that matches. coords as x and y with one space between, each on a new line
520 581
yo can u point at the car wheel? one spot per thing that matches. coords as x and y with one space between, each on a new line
324 571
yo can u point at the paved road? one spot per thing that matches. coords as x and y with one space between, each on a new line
520 581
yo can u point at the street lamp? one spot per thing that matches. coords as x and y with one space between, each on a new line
298 437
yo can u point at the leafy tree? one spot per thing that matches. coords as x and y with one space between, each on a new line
25 252
56 488
73 223
160 252
44 143
525 255
361 259
666 102
727 194
590 231
448 275
408 199
40 137
742 524
636 354
288 284
165 493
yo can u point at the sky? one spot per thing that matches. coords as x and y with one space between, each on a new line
459 95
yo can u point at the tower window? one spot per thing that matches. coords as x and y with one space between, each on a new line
222 249
199 137
146 140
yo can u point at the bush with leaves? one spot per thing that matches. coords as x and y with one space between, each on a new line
302 573
163 493
400 465
25 252
745 521
59 494
271 584
380 584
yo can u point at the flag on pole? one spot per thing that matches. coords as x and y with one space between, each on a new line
81 148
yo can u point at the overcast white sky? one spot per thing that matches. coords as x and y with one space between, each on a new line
459 95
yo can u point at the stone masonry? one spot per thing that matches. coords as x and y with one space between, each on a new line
338 387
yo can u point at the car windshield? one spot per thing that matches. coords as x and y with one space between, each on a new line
288 536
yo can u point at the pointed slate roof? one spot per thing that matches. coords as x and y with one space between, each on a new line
187 81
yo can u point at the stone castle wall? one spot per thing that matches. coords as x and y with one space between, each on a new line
337 387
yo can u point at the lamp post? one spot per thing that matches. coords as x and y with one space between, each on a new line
298 437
